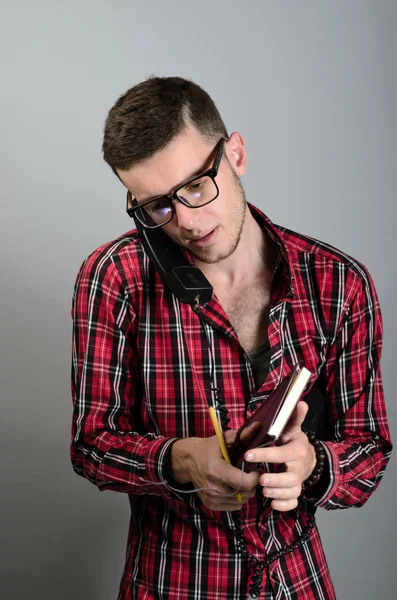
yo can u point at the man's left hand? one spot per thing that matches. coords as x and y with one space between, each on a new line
298 456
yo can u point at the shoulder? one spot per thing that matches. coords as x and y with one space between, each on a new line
324 263
328 278
298 244
118 259
107 283
315 262
113 274
335 284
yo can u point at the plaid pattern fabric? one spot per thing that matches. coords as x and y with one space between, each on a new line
140 380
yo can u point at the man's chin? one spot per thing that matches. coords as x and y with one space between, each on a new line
210 256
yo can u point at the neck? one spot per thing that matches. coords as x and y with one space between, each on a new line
253 249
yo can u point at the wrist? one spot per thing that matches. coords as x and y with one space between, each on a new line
312 462
317 463
180 461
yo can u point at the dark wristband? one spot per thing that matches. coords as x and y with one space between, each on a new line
320 461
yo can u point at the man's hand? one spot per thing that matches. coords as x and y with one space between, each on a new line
199 460
298 456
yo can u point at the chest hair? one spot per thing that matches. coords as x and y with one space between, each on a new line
248 311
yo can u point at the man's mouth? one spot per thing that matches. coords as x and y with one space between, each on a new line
204 240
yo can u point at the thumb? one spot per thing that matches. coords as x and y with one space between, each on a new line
294 424
229 436
246 435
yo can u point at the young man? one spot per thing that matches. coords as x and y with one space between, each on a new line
146 366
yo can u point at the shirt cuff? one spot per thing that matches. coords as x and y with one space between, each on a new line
328 480
158 468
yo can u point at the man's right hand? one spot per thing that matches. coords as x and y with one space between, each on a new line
199 461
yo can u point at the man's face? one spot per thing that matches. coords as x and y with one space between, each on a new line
211 233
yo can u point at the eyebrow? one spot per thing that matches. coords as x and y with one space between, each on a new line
186 180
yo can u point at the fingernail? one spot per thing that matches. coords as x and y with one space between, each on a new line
266 480
250 456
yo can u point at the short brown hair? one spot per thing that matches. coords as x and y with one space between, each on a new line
151 114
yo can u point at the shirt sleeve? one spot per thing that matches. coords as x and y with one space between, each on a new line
108 447
361 445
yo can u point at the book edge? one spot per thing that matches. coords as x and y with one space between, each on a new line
294 393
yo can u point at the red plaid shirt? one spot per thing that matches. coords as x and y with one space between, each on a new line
140 379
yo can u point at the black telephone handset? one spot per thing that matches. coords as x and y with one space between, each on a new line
187 282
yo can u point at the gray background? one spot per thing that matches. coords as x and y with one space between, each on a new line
312 86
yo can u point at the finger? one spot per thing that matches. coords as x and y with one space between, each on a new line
224 507
272 454
216 486
221 503
229 436
279 480
249 433
249 480
248 495
214 500
234 478
294 425
282 493
219 490
284 505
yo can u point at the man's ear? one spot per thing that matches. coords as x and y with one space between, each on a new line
236 153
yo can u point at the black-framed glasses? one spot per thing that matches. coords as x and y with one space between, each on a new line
194 193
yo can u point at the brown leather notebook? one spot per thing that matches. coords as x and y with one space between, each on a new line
270 418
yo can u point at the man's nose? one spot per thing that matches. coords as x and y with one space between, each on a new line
187 218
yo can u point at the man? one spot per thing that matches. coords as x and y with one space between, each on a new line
146 366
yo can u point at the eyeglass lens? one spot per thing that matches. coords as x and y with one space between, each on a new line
196 193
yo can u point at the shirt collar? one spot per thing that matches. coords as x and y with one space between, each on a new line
276 235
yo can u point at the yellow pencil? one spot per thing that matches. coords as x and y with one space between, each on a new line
222 444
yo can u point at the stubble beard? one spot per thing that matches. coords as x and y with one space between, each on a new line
237 223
